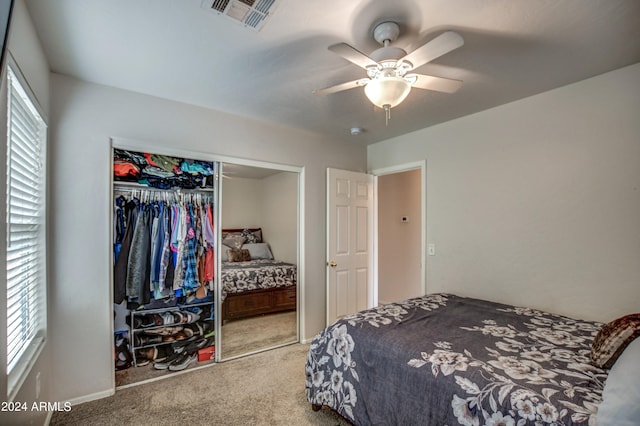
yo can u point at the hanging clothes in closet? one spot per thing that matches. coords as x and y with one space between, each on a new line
163 248
163 236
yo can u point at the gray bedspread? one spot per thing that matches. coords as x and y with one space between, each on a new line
238 277
442 359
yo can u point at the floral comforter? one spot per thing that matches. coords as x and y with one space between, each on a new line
442 359
256 274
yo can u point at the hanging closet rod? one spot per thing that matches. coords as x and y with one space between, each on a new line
147 194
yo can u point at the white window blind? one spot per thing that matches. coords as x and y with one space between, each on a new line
26 266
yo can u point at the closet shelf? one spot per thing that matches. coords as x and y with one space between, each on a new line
176 307
128 186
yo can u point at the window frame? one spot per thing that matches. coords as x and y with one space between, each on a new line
19 367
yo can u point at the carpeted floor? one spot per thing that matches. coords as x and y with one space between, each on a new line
248 335
261 389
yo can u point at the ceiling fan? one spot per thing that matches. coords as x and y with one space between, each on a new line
389 68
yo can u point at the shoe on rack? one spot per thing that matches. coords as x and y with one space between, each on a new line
199 344
165 331
162 352
168 318
164 364
183 362
144 339
181 344
147 353
142 362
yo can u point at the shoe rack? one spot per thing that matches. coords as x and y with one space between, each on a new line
152 328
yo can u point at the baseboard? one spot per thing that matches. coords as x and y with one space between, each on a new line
92 397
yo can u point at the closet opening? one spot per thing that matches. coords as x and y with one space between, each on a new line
206 260
164 221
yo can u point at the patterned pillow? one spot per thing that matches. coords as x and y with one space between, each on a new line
234 241
613 338
238 255
252 237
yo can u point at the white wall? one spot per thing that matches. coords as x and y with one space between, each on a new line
399 243
28 54
84 116
241 199
270 203
537 202
280 207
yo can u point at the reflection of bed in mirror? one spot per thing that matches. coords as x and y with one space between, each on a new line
253 282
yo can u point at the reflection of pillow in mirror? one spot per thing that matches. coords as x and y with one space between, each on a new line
252 236
234 241
259 250
238 255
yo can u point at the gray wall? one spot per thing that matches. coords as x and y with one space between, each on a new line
537 202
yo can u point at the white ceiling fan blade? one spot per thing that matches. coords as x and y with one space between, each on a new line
353 55
438 84
340 87
444 43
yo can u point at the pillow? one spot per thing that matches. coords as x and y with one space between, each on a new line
621 392
259 250
238 255
252 237
612 338
234 241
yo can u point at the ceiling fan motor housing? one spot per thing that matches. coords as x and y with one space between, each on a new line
386 31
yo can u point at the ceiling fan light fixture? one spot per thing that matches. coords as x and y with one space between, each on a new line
387 91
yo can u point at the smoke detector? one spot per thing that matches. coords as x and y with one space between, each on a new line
250 13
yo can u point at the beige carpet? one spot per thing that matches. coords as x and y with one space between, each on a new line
261 389
243 336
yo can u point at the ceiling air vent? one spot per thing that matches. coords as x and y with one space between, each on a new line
250 13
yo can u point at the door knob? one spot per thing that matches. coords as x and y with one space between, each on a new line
333 264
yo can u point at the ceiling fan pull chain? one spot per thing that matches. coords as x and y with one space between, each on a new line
387 114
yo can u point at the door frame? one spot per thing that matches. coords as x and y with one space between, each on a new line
399 168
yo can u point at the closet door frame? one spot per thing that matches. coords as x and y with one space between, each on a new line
142 146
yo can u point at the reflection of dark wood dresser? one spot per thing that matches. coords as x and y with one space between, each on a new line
257 302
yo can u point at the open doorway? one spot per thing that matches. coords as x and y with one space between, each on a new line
400 235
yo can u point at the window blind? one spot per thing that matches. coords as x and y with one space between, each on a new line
26 266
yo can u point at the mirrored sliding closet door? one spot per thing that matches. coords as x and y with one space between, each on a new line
258 259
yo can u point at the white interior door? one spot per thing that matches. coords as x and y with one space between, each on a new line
350 225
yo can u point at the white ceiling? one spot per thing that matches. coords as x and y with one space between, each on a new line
178 50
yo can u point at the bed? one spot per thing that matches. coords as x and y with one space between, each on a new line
443 359
254 283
